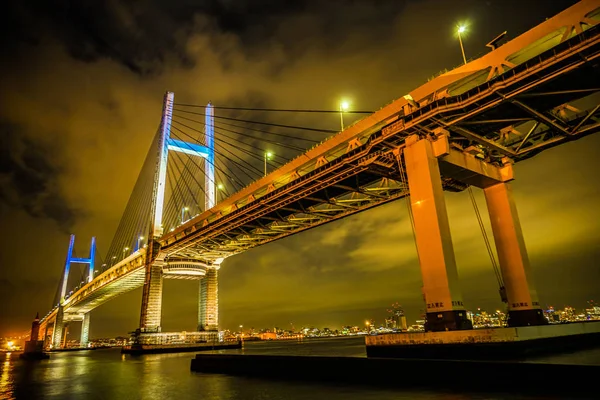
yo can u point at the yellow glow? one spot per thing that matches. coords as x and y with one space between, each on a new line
220 186
268 154
344 106
10 344
462 29
141 238
186 208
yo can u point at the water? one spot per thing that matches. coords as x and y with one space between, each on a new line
106 374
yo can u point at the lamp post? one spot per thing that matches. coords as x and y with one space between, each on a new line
343 107
368 324
138 242
125 251
220 187
113 261
462 29
268 156
183 210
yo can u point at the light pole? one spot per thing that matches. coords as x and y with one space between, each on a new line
462 29
113 261
268 156
343 107
368 324
183 210
139 240
220 187
124 251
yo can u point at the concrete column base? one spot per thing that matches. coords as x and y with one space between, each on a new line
526 318
447 321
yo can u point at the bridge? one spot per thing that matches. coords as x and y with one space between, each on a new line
464 128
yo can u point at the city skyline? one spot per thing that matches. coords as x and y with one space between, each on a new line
97 123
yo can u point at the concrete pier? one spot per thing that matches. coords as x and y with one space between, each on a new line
460 376
486 344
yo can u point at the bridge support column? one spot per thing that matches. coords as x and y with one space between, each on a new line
523 304
85 330
445 309
152 299
57 331
208 310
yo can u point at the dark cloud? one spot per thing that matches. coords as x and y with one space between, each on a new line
29 179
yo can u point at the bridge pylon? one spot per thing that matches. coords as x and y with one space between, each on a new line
425 158
151 312
443 298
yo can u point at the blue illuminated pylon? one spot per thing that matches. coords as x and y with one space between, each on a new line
71 259
209 162
167 143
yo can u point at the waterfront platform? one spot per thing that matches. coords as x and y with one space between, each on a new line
179 348
482 376
486 344
72 349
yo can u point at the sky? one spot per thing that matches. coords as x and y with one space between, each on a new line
81 94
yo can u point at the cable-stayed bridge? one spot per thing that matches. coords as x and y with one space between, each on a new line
215 183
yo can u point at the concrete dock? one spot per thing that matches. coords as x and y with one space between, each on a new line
486 344
179 348
462 376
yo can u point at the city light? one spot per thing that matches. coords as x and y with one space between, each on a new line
220 186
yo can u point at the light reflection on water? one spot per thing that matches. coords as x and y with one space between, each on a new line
106 374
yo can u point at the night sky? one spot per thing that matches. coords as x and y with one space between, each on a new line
81 96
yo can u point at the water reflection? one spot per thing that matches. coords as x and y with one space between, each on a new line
106 374
6 380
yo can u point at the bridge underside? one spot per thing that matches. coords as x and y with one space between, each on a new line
550 99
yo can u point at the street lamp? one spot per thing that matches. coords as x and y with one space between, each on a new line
113 261
124 251
139 240
462 29
268 156
183 210
368 324
220 187
344 106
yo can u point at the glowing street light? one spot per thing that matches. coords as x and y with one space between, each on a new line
113 261
268 156
368 324
183 210
220 188
139 240
462 29
125 251
344 106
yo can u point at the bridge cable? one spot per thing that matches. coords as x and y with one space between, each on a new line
212 163
251 167
173 207
301 128
138 206
220 130
276 109
249 129
502 289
